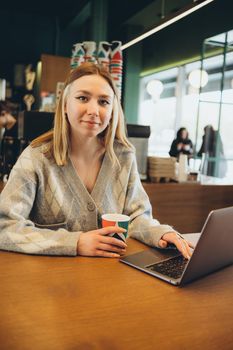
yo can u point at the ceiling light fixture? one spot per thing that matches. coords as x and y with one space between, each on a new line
154 88
167 22
198 78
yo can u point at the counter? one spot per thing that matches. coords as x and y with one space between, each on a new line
185 206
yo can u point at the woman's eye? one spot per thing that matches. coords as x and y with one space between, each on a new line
82 98
104 102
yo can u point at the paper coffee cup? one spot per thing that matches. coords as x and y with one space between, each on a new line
116 220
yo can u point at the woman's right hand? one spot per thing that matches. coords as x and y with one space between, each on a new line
99 243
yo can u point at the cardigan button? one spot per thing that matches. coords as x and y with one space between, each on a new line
90 206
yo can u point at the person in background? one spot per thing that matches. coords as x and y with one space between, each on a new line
8 140
209 147
181 144
67 178
7 120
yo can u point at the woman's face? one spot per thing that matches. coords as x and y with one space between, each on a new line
89 105
184 134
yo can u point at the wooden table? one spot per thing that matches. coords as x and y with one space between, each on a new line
186 205
67 303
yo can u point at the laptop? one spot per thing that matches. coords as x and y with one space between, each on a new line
213 251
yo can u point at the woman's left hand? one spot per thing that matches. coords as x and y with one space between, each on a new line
181 244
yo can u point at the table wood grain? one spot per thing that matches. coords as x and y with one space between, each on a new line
95 303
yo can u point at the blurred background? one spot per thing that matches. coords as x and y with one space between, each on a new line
179 76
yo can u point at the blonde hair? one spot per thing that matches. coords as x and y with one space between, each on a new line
56 141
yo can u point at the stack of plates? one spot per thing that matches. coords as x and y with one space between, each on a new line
159 168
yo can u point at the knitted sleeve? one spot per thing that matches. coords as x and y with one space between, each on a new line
17 232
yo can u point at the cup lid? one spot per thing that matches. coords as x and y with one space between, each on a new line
115 217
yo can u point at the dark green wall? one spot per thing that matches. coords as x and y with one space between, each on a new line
23 38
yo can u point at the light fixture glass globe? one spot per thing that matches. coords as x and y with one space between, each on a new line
198 78
154 88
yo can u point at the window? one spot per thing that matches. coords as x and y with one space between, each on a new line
180 104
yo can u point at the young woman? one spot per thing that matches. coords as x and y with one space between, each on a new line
181 144
67 178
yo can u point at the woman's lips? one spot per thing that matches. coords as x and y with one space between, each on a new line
90 123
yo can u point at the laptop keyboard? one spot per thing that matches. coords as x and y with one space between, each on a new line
173 267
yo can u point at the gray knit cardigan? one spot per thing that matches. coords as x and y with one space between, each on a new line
44 207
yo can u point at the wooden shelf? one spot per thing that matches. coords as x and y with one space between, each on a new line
54 69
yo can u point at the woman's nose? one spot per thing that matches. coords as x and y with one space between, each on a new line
93 108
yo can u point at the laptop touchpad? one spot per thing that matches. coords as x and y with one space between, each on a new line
150 256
